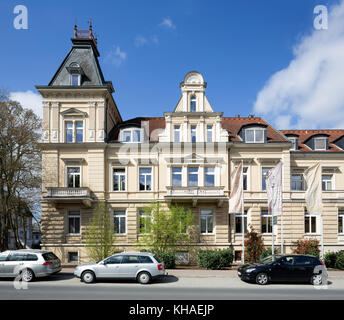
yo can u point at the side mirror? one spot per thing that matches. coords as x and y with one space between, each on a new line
102 262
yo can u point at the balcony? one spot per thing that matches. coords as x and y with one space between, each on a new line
195 194
69 195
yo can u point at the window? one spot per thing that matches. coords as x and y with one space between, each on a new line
119 179
206 221
193 104
176 133
114 260
209 133
130 259
294 143
254 135
73 177
266 222
340 222
320 143
238 222
302 260
310 223
73 257
177 177
75 79
209 177
144 219
245 178
17 257
264 172
193 176
193 133
145 259
31 257
326 182
120 221
3 256
297 182
74 131
74 222
131 135
145 179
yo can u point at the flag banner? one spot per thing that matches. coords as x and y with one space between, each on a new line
274 189
236 201
313 195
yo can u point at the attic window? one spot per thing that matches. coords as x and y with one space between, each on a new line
75 72
294 143
128 135
75 79
254 135
193 104
320 143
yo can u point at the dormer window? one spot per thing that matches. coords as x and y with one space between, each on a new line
294 143
320 143
75 72
75 79
254 135
193 102
131 135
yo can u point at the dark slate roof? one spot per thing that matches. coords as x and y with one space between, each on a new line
304 135
85 53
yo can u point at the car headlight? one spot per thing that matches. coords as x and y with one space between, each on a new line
250 270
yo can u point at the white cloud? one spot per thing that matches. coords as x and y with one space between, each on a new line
116 56
140 41
167 23
28 99
309 92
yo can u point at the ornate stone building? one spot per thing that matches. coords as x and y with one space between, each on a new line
185 157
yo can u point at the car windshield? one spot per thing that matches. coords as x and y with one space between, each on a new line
269 259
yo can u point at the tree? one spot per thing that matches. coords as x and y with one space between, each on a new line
20 166
100 233
253 246
163 229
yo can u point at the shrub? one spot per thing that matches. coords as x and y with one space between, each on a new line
340 260
307 246
330 259
253 246
167 257
268 252
215 259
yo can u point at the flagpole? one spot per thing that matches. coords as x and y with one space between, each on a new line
322 219
282 245
273 235
242 214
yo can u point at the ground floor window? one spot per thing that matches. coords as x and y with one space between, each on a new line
310 223
266 222
207 221
238 222
341 222
237 255
120 221
144 222
74 222
73 257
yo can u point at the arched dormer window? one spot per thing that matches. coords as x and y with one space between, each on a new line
193 103
254 134
75 72
131 135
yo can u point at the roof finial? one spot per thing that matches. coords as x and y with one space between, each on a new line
75 29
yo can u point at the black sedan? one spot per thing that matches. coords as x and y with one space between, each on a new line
287 268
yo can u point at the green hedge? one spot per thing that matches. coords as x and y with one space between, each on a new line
335 260
340 260
167 257
215 259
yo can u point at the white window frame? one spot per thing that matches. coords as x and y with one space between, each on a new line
247 174
311 217
263 177
326 181
121 216
79 78
239 216
145 174
302 181
341 217
74 215
206 225
181 176
179 132
66 175
210 129
198 174
193 98
213 174
142 213
125 177
318 139
131 129
193 131
73 121
265 215
294 144
254 134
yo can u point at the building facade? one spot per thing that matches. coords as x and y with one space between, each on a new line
186 156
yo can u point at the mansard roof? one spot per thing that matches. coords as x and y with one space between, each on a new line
304 135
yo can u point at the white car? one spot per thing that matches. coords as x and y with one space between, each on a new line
142 266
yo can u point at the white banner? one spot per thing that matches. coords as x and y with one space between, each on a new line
274 189
313 195
236 201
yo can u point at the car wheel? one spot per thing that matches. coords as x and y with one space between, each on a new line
262 278
27 275
88 277
316 279
144 277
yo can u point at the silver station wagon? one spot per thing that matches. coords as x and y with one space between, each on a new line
142 266
29 263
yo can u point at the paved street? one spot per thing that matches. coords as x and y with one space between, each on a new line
178 285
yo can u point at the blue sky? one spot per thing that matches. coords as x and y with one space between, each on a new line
148 46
